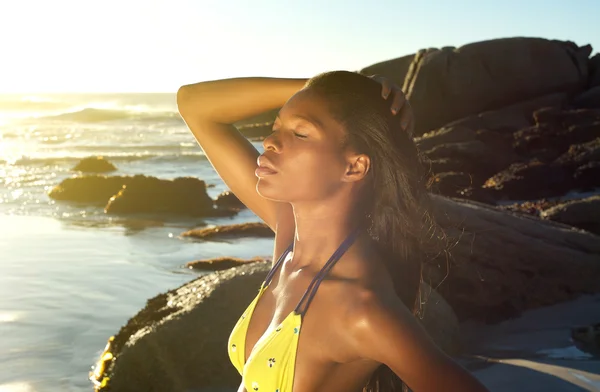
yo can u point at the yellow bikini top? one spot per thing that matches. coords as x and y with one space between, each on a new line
271 364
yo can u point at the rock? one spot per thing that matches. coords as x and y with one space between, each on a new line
181 196
178 341
94 165
530 207
587 338
94 189
594 65
220 263
564 118
586 176
228 200
448 134
501 263
589 99
481 159
451 184
444 165
552 141
255 229
530 180
395 69
453 83
511 118
584 214
581 154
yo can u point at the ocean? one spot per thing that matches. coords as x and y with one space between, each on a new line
70 275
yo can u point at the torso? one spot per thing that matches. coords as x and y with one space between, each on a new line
324 362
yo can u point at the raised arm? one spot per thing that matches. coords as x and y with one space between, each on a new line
209 110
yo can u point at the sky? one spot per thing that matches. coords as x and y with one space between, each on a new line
159 45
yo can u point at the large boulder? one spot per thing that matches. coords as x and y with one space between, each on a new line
144 194
228 199
178 341
395 69
92 189
513 117
503 263
452 83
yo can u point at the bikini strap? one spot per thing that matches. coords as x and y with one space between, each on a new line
310 292
276 265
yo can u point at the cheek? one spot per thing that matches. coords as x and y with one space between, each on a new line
308 173
317 169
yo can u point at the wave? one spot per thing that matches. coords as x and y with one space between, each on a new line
32 106
95 115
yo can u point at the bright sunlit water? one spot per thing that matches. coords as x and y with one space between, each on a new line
71 276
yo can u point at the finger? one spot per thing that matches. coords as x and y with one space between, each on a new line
406 117
399 101
386 88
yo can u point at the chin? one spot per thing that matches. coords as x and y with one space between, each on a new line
268 190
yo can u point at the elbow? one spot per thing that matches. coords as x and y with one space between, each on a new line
182 97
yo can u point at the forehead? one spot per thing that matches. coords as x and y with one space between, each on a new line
313 107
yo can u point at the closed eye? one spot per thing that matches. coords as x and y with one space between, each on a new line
300 135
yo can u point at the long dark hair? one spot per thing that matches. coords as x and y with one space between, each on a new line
395 204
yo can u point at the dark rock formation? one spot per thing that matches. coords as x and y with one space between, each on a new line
181 196
95 189
254 229
584 214
140 194
228 200
452 83
94 165
589 99
503 263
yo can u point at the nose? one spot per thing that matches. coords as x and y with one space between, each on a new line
272 142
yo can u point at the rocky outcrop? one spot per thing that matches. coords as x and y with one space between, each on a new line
93 189
395 69
556 154
227 199
177 342
253 229
584 214
181 196
502 263
452 83
220 263
140 194
94 165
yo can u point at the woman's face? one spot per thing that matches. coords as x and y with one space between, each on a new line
304 158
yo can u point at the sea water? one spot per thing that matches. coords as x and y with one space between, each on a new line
70 275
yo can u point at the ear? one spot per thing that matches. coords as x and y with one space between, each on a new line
357 167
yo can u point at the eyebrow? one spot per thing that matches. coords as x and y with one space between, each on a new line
311 120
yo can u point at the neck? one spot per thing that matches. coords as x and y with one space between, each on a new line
320 229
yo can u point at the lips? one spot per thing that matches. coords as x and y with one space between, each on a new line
265 167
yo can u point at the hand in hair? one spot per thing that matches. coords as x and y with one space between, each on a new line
400 105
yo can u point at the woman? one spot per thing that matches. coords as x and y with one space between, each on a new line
340 183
